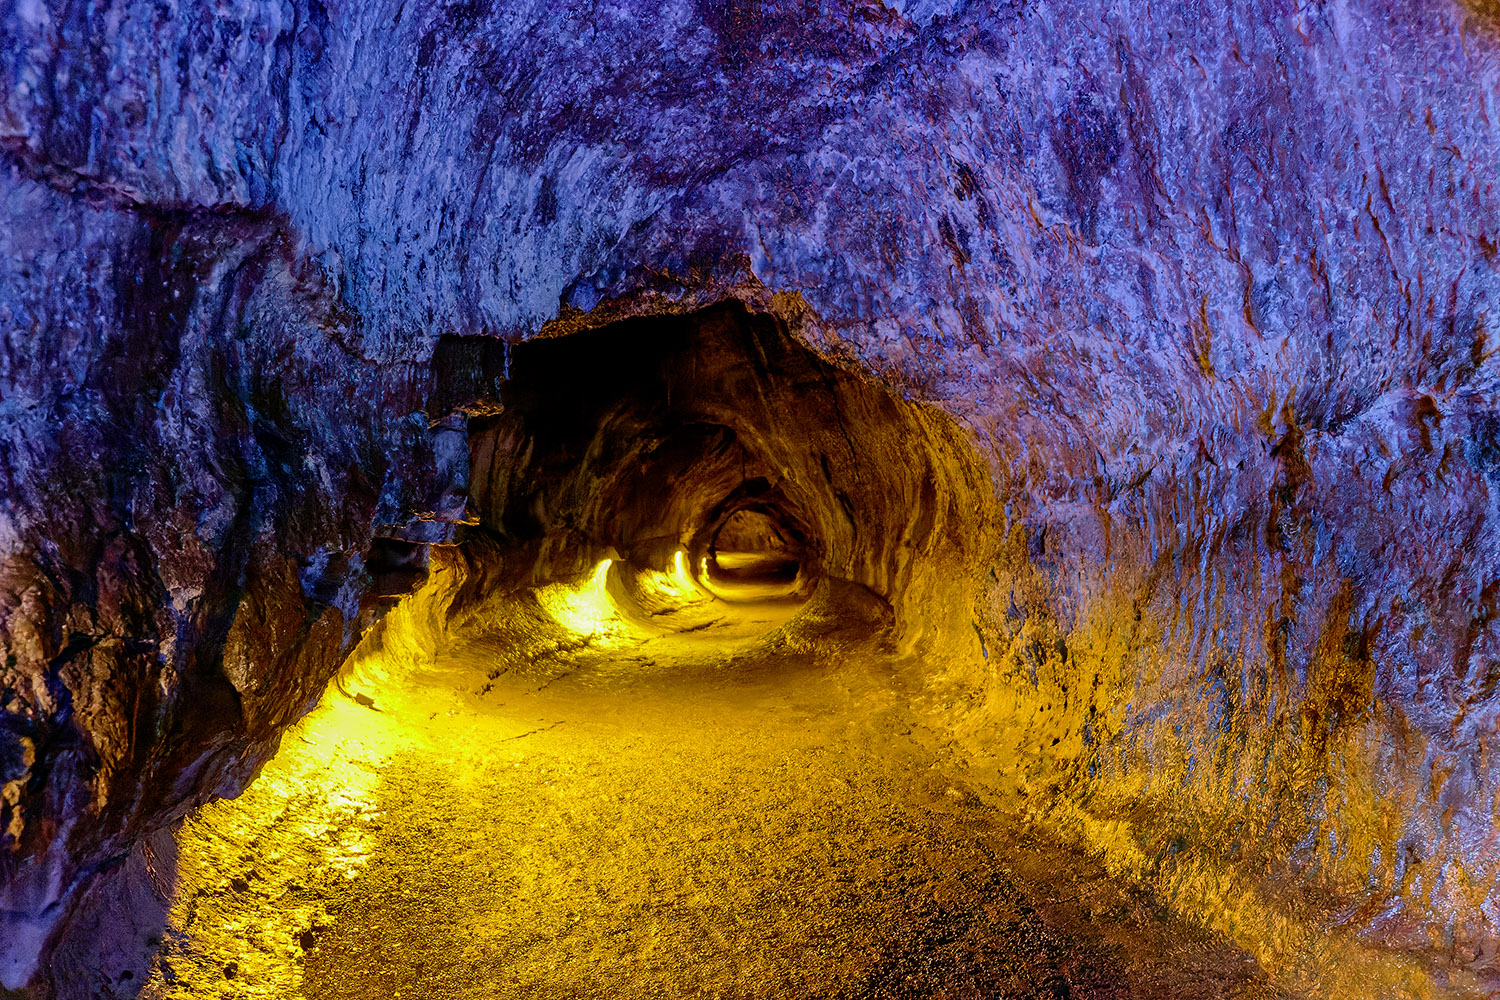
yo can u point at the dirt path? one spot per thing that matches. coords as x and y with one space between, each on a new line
703 814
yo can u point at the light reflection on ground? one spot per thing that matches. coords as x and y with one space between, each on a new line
255 871
713 812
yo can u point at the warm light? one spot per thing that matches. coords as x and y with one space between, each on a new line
410 746
679 571
586 609
591 611
671 591
308 817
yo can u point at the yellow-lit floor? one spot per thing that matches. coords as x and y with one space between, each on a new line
708 813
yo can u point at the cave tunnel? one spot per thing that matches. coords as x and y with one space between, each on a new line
718 437
692 553
675 701
749 500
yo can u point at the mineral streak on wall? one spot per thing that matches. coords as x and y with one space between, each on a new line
1211 290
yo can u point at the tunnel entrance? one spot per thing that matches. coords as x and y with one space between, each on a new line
756 546
751 549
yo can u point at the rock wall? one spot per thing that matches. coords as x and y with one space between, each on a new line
1213 288
191 474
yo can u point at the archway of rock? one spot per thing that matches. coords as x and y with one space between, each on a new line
663 722
755 548
651 436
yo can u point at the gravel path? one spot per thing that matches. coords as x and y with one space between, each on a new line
705 814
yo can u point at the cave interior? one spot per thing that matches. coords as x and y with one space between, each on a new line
791 499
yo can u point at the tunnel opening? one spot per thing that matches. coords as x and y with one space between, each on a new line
755 545
697 675
751 547
719 440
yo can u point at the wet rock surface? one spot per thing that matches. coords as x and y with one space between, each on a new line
1212 291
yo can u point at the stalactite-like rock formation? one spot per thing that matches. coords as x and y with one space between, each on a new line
1213 293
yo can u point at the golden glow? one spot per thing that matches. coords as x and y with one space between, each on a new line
593 610
680 574
587 609
436 826
416 813
306 818
671 590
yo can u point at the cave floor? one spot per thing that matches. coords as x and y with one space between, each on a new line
701 814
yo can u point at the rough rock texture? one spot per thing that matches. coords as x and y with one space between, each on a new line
191 473
1214 289
637 440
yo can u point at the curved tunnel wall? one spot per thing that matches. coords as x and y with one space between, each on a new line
750 528
640 438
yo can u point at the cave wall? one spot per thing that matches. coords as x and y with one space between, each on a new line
1212 288
196 455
